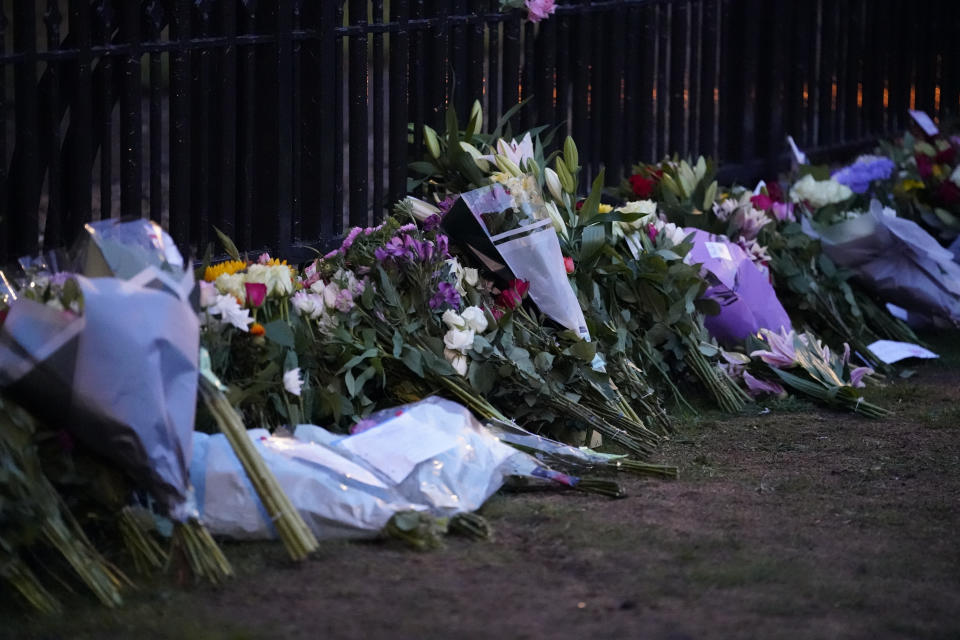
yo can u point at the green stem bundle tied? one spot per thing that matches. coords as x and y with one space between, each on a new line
296 536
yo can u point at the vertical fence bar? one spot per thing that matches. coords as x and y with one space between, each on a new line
458 61
6 243
156 18
510 90
53 232
665 15
359 133
131 175
417 85
22 227
580 41
313 77
437 64
695 62
597 100
474 71
379 101
180 125
339 120
296 124
632 120
615 97
225 164
284 62
646 112
528 77
399 98
774 90
105 18
494 74
247 125
708 72
78 177
201 137
546 71
677 74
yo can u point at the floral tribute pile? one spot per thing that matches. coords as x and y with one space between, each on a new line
553 312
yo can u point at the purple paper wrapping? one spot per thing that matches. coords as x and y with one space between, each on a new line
747 300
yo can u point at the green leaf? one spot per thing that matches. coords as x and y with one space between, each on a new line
592 203
413 359
280 332
423 168
592 241
228 245
583 350
397 343
543 361
354 361
483 376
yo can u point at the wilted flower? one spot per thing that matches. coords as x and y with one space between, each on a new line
756 386
292 381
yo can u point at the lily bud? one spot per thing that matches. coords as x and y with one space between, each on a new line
421 210
430 138
553 184
566 179
476 114
478 158
570 155
556 219
508 166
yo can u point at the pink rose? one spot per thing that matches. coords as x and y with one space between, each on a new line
539 9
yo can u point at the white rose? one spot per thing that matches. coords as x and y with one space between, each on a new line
475 319
330 293
819 193
453 320
231 284
459 339
645 207
457 360
471 276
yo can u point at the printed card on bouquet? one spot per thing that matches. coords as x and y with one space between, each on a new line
924 122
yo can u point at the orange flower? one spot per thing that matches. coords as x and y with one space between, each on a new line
256 329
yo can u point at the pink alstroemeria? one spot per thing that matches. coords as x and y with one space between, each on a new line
256 293
264 258
782 354
538 10
857 375
758 387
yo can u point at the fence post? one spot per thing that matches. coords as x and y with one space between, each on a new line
22 228
284 228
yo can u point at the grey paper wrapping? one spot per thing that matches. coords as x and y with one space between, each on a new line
123 379
897 260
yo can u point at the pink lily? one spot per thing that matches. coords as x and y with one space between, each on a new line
782 354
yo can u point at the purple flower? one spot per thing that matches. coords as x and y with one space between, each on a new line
865 170
447 203
537 10
60 278
392 249
857 375
757 386
431 223
443 246
446 295
783 212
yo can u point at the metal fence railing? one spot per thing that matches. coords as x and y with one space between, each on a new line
282 122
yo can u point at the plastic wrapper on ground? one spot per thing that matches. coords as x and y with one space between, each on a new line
747 300
897 261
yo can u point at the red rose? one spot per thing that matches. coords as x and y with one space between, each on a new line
762 201
948 193
520 286
568 264
508 299
642 187
924 165
946 156
775 191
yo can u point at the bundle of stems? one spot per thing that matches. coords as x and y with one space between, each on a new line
601 487
845 396
293 531
147 554
729 396
22 578
645 468
470 525
201 552
101 578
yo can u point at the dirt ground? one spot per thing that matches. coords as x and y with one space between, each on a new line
796 523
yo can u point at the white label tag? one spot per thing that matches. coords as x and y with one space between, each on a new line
799 156
922 119
718 250
890 351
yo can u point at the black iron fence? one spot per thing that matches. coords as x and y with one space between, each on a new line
282 122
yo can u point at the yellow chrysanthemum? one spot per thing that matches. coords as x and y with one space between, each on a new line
604 208
229 267
910 185
274 262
